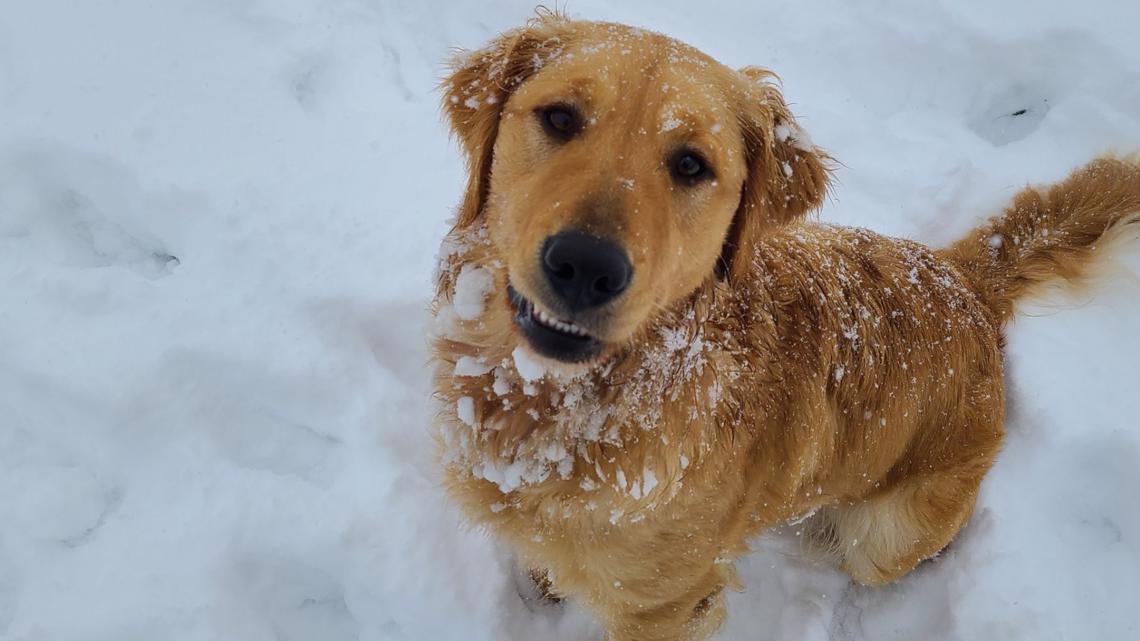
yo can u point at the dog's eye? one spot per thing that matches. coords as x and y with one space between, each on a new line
560 121
689 167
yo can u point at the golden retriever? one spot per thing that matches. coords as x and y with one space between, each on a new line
646 355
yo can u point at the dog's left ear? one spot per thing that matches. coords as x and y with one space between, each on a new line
480 82
787 177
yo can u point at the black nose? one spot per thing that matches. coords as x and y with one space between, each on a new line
585 271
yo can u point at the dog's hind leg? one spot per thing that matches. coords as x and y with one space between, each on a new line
886 535
922 502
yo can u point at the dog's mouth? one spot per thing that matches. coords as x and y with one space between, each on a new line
551 337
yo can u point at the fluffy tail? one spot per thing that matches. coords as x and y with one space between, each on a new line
1049 233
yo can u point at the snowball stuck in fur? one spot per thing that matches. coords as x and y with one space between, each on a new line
469 366
465 409
526 364
471 289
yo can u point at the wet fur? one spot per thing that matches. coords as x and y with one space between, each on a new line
811 369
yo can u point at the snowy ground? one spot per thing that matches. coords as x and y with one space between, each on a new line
218 221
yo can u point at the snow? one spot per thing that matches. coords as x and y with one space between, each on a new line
472 287
218 229
649 481
501 386
469 366
799 138
527 365
465 410
669 124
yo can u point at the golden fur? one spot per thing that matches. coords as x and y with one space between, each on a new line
760 367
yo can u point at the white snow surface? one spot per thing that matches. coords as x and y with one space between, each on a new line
218 224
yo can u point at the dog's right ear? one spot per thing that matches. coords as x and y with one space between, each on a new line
480 82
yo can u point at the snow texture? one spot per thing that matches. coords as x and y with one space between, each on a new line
218 230
469 366
527 365
472 287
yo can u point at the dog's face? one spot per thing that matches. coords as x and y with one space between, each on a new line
617 170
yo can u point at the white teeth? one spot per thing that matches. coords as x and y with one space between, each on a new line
554 323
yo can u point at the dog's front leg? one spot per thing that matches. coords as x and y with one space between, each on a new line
692 614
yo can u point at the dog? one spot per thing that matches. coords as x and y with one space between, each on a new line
645 354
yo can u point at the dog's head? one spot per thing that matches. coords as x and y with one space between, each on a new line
617 170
